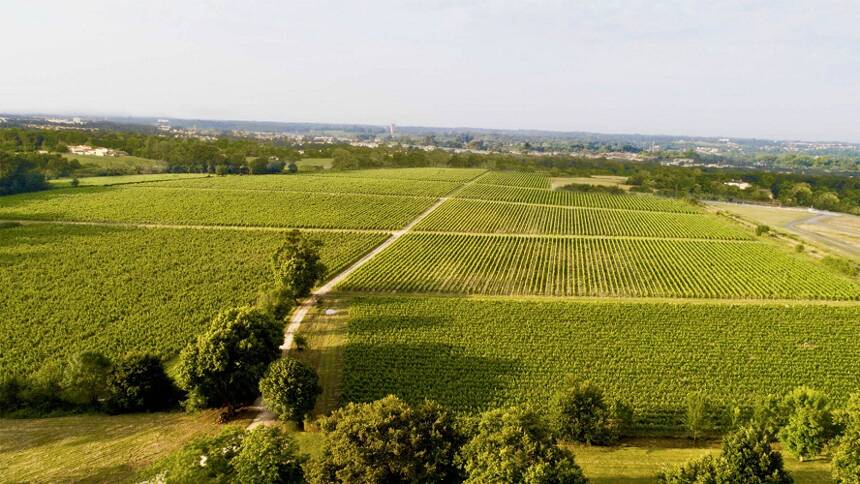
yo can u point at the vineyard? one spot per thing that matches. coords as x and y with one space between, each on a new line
324 184
575 199
508 218
515 179
474 354
570 266
457 175
102 181
136 204
70 288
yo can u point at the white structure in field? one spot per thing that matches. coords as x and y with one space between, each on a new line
94 151
739 184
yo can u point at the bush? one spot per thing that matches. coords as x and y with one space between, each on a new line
297 265
846 455
206 459
762 229
746 457
697 415
582 415
137 382
388 441
809 424
224 366
268 455
290 389
512 445
85 379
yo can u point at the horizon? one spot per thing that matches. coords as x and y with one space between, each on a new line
760 70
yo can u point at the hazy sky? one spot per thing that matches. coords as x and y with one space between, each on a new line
772 69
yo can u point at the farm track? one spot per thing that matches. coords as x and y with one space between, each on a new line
265 416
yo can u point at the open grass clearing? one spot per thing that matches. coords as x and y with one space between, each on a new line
128 163
459 175
101 181
597 180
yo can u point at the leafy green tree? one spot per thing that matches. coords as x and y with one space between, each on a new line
297 265
761 229
290 389
268 455
137 382
809 424
746 457
224 366
696 418
846 451
768 415
583 415
512 445
292 167
85 378
206 459
388 441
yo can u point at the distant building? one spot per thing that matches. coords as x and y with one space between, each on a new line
739 184
391 128
94 151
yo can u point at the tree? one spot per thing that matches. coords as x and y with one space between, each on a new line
696 418
224 366
268 455
809 424
846 454
582 415
137 382
761 229
512 445
206 459
290 389
85 379
746 457
297 265
292 167
388 441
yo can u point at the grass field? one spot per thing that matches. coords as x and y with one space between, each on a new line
314 163
70 288
515 179
596 180
459 175
509 218
568 266
311 183
95 448
101 181
130 163
162 205
474 353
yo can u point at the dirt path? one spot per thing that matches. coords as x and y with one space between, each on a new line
265 416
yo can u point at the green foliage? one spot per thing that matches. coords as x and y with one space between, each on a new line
268 455
809 424
86 377
512 445
138 383
846 448
290 389
697 413
206 459
224 366
571 266
297 265
761 229
746 457
583 415
164 286
439 347
388 441
292 168
19 173
845 266
767 415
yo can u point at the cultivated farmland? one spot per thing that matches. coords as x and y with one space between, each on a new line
459 175
509 218
70 288
474 354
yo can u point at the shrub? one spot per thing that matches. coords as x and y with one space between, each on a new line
846 455
696 418
296 264
761 229
290 389
268 455
809 424
388 441
137 382
85 379
224 366
512 445
582 415
206 459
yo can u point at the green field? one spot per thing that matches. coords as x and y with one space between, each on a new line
71 288
459 175
101 181
475 354
162 205
570 266
508 218
515 179
314 163
312 183
576 199
128 163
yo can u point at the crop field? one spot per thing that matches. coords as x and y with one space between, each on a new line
575 199
570 266
473 353
515 179
129 163
459 175
71 288
507 218
312 183
133 204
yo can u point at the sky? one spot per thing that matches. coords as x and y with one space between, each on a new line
767 69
